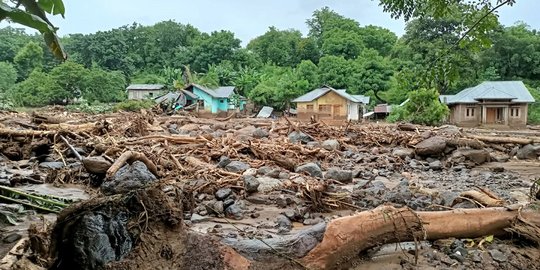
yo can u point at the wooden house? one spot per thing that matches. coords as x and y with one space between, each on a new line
142 91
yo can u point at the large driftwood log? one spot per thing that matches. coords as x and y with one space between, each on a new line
7 132
493 139
344 238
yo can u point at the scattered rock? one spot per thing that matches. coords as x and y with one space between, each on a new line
497 255
331 145
312 144
251 184
267 184
11 238
528 151
128 178
234 211
477 156
435 165
284 224
403 152
215 207
250 172
189 127
237 166
260 133
196 218
284 175
312 221
344 176
228 202
433 146
223 161
223 193
297 136
311 168
53 165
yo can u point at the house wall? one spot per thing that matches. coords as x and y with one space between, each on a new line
458 115
521 119
329 98
142 94
210 104
354 109
222 104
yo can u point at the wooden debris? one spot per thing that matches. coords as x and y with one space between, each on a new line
130 157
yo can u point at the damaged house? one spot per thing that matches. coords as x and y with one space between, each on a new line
493 104
330 103
221 99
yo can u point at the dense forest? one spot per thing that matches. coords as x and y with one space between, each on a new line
274 67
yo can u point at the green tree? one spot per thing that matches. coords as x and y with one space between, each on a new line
335 71
377 38
11 40
423 107
372 75
8 76
309 72
28 58
212 49
38 89
69 76
103 86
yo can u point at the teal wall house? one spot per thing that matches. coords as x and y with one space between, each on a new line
221 99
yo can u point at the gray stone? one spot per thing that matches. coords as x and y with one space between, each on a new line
477 156
251 184
448 197
250 172
223 193
234 211
228 202
264 170
260 133
435 165
311 168
53 165
215 207
128 178
344 176
237 166
284 175
403 152
433 146
296 137
284 224
196 218
313 144
528 151
267 184
312 221
497 255
11 238
330 145
223 161
274 173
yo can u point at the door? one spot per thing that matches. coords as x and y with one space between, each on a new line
491 115
337 111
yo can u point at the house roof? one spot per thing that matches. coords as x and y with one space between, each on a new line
220 92
145 87
319 92
515 91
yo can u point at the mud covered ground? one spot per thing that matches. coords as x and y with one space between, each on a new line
263 179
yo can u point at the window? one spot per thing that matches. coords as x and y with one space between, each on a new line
309 108
325 109
470 112
150 94
514 112
221 101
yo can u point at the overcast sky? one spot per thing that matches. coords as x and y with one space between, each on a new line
246 18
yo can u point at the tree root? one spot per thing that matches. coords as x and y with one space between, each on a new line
130 157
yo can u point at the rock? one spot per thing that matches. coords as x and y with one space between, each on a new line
284 224
228 202
284 175
403 152
128 178
499 157
223 193
312 221
497 255
260 133
448 197
312 144
344 176
196 218
223 161
459 254
215 207
264 170
274 173
267 184
251 184
433 146
237 166
250 172
331 145
297 136
246 131
477 156
435 165
189 127
234 211
53 165
528 151
11 238
311 168
290 214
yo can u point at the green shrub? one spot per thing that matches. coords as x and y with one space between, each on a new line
90 108
422 108
132 105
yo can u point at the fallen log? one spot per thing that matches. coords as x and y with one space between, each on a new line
130 157
170 139
6 132
492 139
464 142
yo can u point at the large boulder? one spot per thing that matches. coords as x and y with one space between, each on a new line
403 152
433 146
528 151
297 136
267 184
251 184
330 145
344 176
128 178
478 156
311 168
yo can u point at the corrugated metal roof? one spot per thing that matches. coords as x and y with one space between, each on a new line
145 87
319 92
362 98
220 92
515 91
265 112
